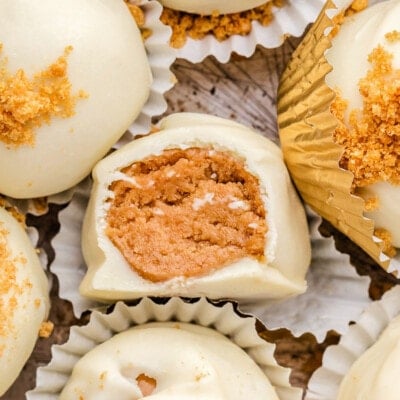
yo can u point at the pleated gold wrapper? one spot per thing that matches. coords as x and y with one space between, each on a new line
306 128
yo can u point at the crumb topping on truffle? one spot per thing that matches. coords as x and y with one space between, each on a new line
355 7
10 289
195 26
186 213
146 384
26 104
140 19
371 136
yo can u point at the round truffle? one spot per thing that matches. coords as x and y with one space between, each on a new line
73 77
365 56
24 298
168 360
374 375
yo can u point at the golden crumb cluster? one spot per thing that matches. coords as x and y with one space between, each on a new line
221 26
386 238
355 7
371 136
9 287
26 104
393 36
186 213
139 17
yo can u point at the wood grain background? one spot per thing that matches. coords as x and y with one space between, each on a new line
243 90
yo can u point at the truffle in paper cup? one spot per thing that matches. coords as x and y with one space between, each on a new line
365 363
220 317
24 300
307 125
204 207
74 86
289 19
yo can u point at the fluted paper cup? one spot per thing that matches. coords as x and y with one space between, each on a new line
306 128
223 317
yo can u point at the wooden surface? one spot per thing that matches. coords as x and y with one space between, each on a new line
243 90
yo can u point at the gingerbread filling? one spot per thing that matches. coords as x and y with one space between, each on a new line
186 213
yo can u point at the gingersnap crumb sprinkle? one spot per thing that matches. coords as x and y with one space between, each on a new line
196 26
355 7
140 19
386 238
186 213
371 136
46 329
26 104
393 36
371 204
146 384
10 289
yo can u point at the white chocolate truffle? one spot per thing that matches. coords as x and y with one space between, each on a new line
276 273
207 7
24 299
178 361
107 64
357 38
375 375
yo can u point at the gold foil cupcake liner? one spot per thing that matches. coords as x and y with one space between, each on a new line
338 359
306 129
221 316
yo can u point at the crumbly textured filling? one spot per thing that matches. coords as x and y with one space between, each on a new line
26 104
195 26
371 136
10 289
186 213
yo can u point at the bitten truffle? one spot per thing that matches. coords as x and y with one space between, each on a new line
203 207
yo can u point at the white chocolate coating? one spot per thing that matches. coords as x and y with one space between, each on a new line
108 62
357 37
287 250
187 362
207 7
375 375
20 328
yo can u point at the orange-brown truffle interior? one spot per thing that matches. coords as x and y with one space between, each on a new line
186 213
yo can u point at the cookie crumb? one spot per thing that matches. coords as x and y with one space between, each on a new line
386 238
196 26
46 329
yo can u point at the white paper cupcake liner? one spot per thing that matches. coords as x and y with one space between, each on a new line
337 360
220 316
289 20
336 294
160 57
